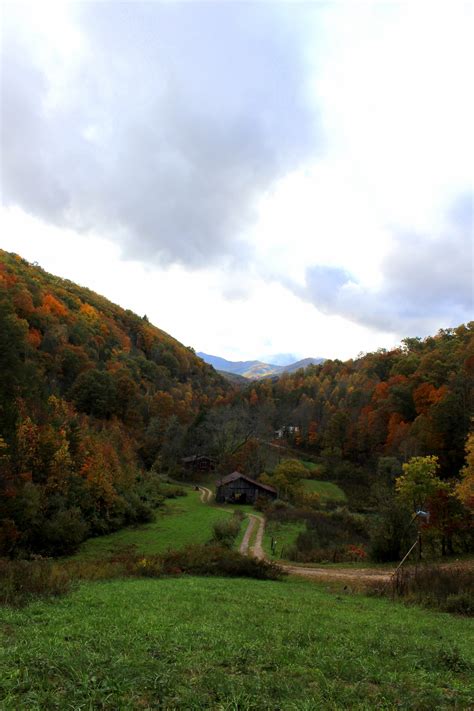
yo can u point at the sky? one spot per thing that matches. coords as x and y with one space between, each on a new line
258 178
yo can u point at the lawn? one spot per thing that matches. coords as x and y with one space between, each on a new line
210 643
327 490
182 521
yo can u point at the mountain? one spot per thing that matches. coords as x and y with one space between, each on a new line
256 369
91 396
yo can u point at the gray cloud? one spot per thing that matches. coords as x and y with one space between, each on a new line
427 281
165 134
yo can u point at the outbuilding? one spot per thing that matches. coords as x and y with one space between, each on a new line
199 463
237 488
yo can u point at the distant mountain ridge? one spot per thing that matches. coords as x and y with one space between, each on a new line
255 369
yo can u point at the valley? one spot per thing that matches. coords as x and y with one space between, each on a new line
123 584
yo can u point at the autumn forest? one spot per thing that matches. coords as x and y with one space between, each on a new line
97 404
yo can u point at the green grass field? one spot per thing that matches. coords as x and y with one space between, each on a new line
197 643
326 490
285 535
181 522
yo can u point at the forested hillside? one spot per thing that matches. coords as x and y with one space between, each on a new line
90 396
411 401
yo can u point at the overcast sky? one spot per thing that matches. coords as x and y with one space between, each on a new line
258 178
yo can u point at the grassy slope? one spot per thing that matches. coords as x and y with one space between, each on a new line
195 643
183 521
285 535
326 490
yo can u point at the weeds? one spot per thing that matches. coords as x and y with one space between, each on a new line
446 589
225 531
22 581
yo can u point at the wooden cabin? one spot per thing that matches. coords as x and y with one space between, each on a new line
237 488
199 463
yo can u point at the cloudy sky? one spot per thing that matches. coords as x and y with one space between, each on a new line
256 177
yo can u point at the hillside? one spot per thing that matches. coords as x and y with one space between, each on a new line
415 400
91 394
138 644
255 369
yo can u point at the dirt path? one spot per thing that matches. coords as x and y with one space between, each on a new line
348 574
257 550
244 546
341 574
206 494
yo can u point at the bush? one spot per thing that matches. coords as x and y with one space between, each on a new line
337 536
22 580
219 561
225 531
449 589
64 532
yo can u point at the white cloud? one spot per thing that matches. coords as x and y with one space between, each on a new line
195 147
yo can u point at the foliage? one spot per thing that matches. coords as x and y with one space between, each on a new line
415 400
331 536
225 531
448 589
287 479
418 482
22 581
465 488
90 395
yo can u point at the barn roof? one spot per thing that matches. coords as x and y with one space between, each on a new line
196 457
238 475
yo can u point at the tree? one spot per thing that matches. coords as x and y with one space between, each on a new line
419 482
465 488
287 478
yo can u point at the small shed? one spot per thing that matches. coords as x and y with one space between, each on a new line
199 463
236 488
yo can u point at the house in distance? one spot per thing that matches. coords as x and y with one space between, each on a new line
236 488
198 463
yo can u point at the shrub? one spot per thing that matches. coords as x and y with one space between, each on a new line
336 536
63 532
23 580
449 589
219 561
225 531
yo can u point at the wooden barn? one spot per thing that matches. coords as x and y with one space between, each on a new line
199 463
236 488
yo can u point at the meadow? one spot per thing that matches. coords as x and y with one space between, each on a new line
327 490
211 643
181 522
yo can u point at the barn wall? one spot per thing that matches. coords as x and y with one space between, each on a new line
229 491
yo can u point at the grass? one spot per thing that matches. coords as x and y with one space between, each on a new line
182 522
285 535
327 490
201 643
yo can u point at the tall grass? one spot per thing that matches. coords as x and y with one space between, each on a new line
23 581
434 586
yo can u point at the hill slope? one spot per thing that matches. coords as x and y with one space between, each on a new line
89 394
255 369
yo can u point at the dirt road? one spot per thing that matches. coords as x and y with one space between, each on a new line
338 574
206 494
244 546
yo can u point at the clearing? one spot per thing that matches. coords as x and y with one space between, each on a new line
181 522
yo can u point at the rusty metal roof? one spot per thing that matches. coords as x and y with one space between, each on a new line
238 475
